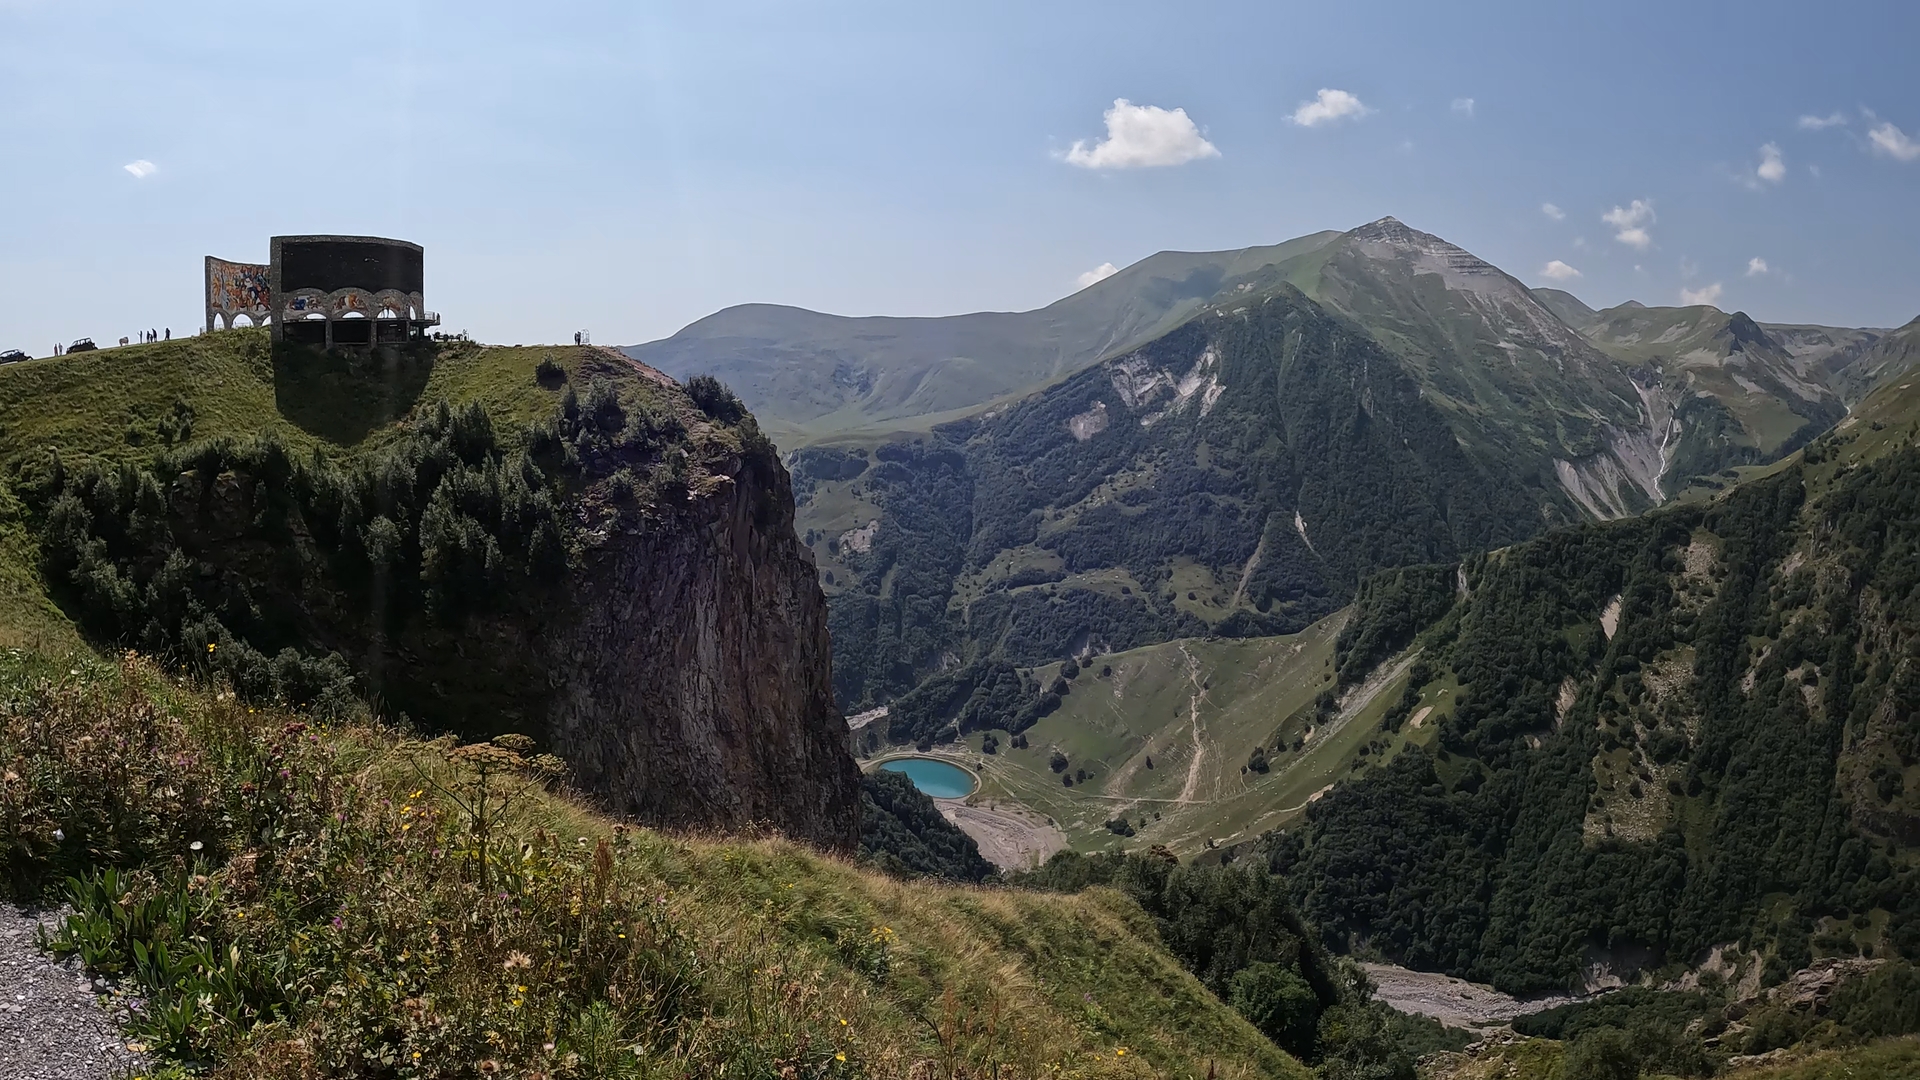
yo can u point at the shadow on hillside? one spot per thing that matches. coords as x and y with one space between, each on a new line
344 398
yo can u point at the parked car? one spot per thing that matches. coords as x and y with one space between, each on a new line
13 356
85 344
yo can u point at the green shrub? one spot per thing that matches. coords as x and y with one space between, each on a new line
1601 1054
1279 1002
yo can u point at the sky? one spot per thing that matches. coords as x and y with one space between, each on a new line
627 168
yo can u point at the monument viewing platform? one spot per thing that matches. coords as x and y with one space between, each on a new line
328 291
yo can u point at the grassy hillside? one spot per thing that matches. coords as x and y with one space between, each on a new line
131 404
124 405
425 911
114 402
1166 737
809 376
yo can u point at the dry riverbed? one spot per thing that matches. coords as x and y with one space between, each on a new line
1453 1002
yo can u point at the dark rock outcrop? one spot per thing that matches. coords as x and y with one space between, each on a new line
693 679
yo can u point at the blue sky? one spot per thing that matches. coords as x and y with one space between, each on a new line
628 168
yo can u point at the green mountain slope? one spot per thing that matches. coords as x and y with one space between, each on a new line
1627 405
807 375
1237 476
1569 308
1694 733
1890 357
1741 395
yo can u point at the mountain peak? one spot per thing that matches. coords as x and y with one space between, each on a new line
1391 230
1744 331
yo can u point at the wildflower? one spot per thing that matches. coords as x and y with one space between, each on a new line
59 834
210 646
489 1067
195 846
840 1056
1122 1052
517 959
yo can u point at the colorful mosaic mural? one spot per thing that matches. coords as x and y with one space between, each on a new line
238 289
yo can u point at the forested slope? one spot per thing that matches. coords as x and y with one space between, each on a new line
1691 731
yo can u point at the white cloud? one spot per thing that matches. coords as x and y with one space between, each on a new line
141 169
1328 107
1756 266
1553 211
1098 273
1688 268
1814 170
1893 142
1559 271
1463 106
1815 123
1773 167
1580 242
1142 136
1630 222
1694 297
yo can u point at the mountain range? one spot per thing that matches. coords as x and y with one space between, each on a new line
1229 442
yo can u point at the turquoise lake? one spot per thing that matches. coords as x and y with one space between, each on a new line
939 779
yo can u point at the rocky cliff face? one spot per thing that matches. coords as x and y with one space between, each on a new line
694 676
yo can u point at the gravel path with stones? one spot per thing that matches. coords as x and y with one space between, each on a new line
53 1025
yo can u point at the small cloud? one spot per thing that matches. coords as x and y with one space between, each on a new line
1553 211
1630 222
1695 297
1893 142
1638 269
1756 266
1688 268
141 169
1580 241
1559 271
1773 167
1328 106
1814 170
1098 273
1815 123
1142 136
1463 106
1637 239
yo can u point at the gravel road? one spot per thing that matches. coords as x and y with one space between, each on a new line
53 1024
